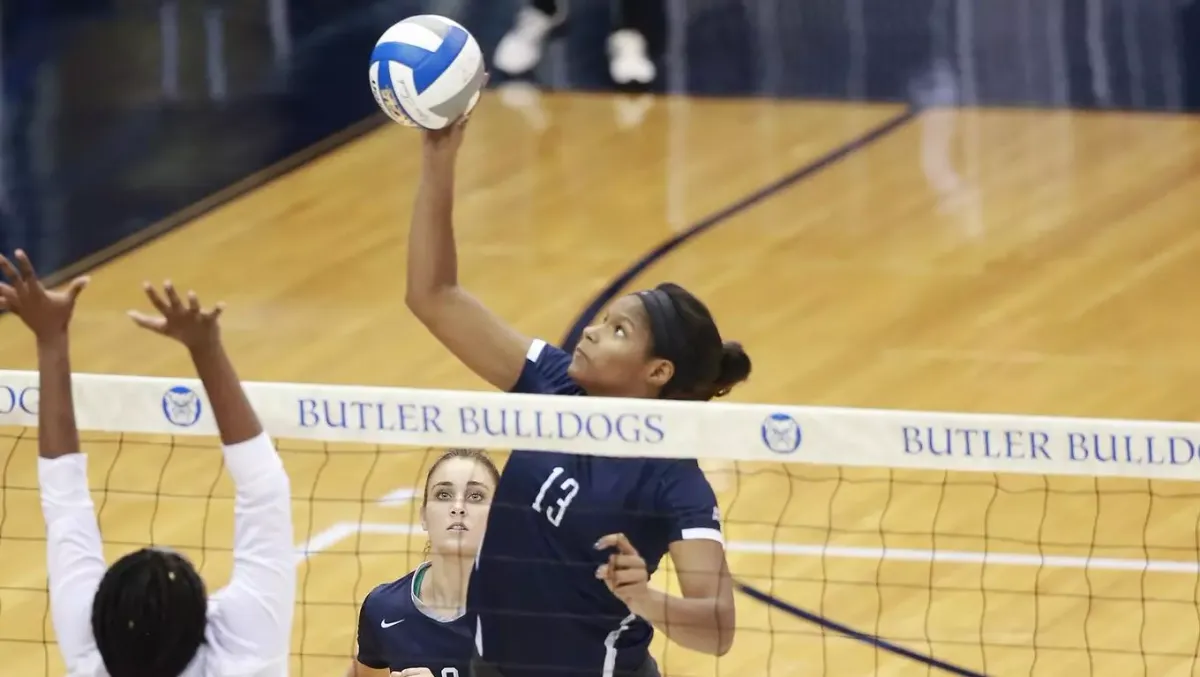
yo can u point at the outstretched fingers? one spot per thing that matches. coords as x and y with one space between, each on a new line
172 296
25 266
156 300
10 272
154 324
77 286
214 313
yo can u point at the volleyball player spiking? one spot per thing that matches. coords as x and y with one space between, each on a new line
148 615
417 626
560 587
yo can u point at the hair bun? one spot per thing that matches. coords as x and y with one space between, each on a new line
735 367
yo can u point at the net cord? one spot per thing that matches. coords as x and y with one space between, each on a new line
895 439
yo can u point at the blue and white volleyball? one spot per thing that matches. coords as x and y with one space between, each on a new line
426 71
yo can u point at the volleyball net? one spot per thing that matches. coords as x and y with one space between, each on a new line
863 541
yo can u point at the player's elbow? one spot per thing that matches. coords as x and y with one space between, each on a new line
423 301
417 300
714 634
726 627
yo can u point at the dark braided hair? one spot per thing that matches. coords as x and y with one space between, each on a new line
149 614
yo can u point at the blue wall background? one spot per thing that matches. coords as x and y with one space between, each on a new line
117 114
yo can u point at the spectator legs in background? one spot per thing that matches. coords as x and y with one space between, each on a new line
521 48
638 25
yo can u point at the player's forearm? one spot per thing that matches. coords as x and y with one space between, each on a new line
57 431
432 255
359 670
701 624
236 419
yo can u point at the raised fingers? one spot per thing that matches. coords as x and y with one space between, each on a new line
155 300
77 286
10 272
172 296
215 312
26 267
155 324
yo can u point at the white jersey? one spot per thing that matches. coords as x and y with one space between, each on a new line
249 621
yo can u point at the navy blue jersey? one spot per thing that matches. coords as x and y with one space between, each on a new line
541 610
394 632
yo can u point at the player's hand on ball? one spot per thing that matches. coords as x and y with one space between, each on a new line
46 313
185 322
448 139
625 571
413 672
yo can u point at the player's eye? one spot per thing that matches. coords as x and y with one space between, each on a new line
476 496
443 495
620 331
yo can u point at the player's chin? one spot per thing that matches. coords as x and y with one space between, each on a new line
578 369
458 543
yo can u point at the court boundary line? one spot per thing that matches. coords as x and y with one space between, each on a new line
866 638
832 157
340 531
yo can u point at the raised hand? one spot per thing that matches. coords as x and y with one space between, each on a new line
446 141
625 572
47 313
187 322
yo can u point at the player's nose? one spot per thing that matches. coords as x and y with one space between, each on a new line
590 333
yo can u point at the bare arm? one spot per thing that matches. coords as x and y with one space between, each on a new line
486 344
703 618
74 556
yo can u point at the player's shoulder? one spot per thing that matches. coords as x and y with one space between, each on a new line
393 597
545 371
678 479
674 468
547 356
648 474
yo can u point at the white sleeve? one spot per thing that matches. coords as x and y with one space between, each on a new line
74 557
251 618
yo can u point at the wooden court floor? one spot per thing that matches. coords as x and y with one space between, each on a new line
1014 261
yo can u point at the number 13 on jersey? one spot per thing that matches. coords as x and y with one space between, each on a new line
568 488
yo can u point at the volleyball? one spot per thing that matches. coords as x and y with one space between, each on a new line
426 71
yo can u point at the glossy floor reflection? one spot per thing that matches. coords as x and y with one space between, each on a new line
117 115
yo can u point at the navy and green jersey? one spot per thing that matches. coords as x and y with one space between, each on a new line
395 631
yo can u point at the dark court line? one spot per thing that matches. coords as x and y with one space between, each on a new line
866 638
618 284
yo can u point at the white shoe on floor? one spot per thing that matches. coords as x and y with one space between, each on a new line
522 47
629 58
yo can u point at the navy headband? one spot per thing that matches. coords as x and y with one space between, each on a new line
665 330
